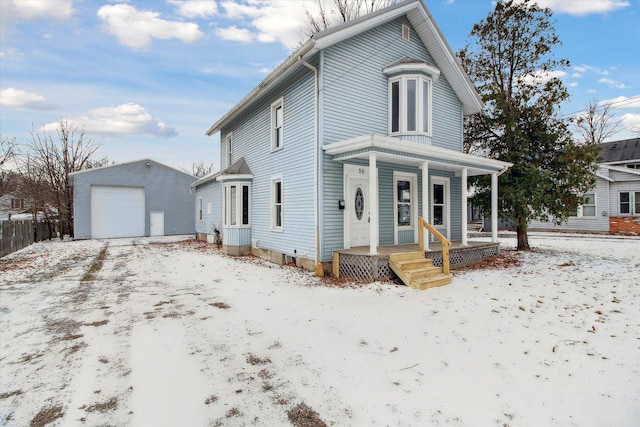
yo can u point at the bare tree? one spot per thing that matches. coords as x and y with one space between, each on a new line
7 153
596 123
200 169
329 13
71 152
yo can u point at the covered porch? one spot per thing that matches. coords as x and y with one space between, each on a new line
358 264
423 168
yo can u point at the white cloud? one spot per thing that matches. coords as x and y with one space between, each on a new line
195 8
269 21
24 100
613 83
136 28
12 11
573 84
236 34
122 120
581 8
631 121
624 102
237 11
590 69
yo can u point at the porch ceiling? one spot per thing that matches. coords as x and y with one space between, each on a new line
398 151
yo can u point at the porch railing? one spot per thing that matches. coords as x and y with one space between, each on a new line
445 242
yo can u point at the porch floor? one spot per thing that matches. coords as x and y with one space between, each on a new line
358 264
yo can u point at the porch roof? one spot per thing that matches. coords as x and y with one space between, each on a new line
399 151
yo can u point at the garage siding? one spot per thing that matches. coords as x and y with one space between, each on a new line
165 190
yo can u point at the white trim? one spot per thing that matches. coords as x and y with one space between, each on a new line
279 103
273 226
402 105
413 183
446 214
235 177
226 208
409 147
413 67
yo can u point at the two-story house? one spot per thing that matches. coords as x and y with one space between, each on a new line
345 145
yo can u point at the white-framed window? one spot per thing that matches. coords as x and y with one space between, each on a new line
277 125
237 204
229 148
440 202
588 209
405 191
200 209
277 198
410 105
629 203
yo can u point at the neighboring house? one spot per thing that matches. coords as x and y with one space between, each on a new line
12 204
613 206
139 198
345 144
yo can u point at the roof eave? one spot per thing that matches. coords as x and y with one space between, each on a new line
282 71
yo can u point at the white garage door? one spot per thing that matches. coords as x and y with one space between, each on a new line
117 212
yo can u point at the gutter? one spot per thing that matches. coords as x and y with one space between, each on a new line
319 269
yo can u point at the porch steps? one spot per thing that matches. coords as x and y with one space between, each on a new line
416 271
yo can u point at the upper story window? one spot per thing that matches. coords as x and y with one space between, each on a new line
277 125
410 105
410 92
229 148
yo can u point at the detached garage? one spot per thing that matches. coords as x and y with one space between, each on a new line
141 198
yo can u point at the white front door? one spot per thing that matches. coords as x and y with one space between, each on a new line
156 224
359 215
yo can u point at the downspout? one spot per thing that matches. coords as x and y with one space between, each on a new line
319 269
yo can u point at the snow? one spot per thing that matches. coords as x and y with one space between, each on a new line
171 333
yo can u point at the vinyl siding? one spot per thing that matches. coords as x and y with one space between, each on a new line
294 164
597 223
354 102
166 189
355 91
210 193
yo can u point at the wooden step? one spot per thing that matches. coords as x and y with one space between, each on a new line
416 271
431 281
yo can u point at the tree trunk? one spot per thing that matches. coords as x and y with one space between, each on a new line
523 238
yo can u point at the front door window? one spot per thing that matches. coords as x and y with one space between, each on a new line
438 204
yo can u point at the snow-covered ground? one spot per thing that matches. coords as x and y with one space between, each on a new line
176 334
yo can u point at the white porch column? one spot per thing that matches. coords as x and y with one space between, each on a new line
463 178
373 204
494 207
425 201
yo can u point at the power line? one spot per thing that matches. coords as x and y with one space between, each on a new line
614 104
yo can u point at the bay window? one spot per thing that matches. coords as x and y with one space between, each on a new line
410 104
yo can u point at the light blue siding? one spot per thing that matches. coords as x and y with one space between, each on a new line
209 192
166 189
293 164
236 236
354 100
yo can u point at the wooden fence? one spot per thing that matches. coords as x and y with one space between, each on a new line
15 235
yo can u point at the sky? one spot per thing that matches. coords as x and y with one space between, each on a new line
147 78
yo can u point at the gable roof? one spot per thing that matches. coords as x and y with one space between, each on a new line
620 151
422 22
238 169
128 163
